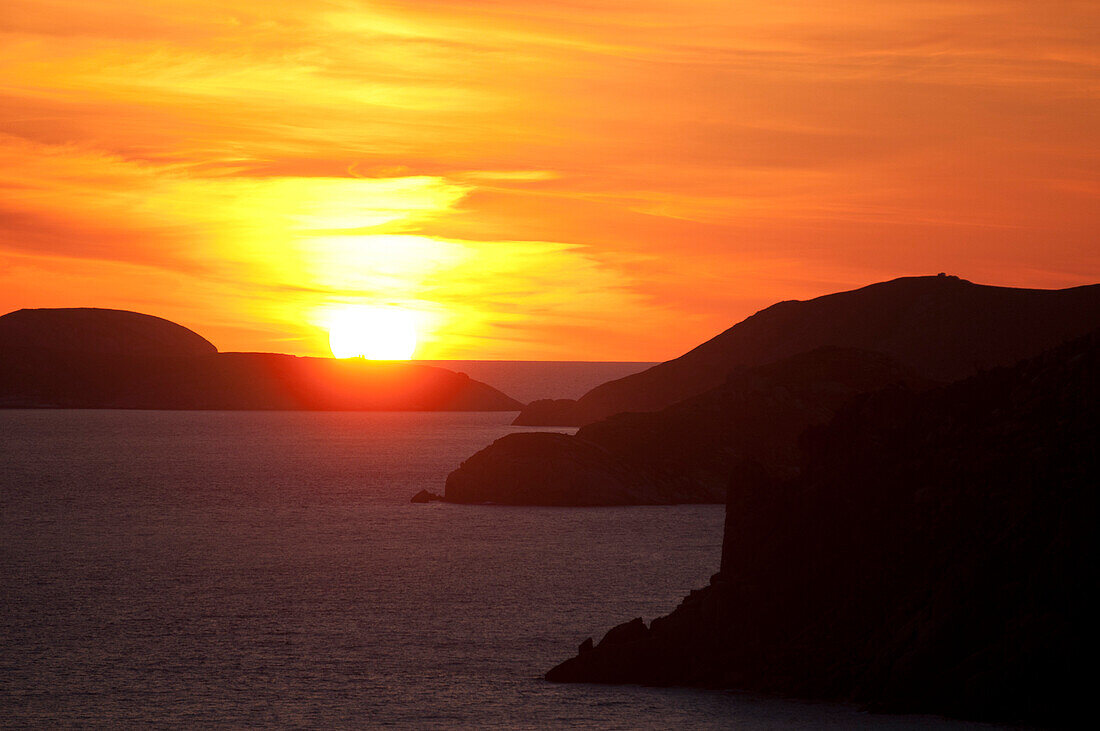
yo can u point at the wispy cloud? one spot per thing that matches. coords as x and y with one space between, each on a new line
549 174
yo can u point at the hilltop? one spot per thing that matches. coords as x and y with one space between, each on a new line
100 331
942 327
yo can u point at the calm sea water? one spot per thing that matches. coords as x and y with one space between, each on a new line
527 380
244 568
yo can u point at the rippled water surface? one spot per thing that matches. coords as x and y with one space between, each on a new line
199 568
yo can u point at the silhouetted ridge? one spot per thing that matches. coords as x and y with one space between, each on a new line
934 555
94 330
944 328
89 358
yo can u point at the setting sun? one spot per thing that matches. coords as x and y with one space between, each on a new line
377 333
347 316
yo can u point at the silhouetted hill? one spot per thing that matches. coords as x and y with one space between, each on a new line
93 330
126 360
935 555
683 453
944 328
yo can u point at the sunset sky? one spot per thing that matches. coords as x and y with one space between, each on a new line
533 179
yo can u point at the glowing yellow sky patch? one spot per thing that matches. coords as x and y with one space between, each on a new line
287 252
544 179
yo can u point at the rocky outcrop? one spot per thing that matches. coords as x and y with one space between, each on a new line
933 555
543 468
683 453
944 328
113 360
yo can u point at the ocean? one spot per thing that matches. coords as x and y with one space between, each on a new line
527 380
267 568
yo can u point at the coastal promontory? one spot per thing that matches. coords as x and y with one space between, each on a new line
749 394
933 555
683 453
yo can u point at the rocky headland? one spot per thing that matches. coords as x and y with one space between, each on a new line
933 554
683 453
750 393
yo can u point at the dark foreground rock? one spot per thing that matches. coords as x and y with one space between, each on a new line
936 555
943 328
682 454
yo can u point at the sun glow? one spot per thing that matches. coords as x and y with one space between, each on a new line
377 333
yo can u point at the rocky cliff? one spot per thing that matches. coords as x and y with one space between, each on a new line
935 554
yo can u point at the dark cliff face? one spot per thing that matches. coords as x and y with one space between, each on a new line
113 359
944 328
934 555
683 453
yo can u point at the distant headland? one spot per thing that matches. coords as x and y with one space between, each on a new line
116 359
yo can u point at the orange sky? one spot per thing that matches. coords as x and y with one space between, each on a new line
576 179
